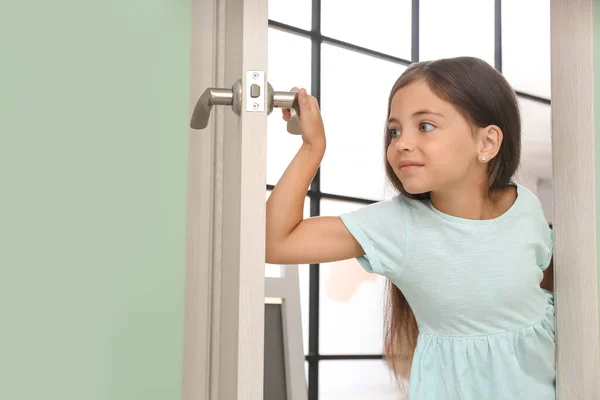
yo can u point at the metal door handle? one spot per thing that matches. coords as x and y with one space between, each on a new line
210 97
255 101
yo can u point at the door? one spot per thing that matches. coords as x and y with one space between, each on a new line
223 354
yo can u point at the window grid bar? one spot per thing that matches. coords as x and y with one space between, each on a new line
315 210
498 35
339 43
415 29
533 97
331 196
330 357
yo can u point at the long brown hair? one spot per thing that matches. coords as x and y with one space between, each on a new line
484 98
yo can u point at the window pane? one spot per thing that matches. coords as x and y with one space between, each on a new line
354 96
357 380
526 45
536 123
289 66
456 28
351 309
295 14
381 25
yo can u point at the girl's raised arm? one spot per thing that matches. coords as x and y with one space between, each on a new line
290 239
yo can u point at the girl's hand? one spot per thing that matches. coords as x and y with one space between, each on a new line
311 123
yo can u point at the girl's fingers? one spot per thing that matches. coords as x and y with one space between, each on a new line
302 96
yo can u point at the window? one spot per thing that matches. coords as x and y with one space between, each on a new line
349 64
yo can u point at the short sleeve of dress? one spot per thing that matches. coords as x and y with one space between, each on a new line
380 229
539 229
535 228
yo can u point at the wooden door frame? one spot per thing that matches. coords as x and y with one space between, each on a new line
224 299
575 202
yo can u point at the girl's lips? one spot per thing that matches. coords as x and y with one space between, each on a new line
410 168
409 165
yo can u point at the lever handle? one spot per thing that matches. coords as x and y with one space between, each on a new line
233 97
210 97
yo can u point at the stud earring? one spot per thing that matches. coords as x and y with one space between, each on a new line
483 158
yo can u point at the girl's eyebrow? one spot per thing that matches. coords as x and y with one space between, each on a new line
393 120
425 111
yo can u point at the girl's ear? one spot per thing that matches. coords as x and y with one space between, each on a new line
489 141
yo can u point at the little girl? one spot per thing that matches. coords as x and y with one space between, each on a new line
464 247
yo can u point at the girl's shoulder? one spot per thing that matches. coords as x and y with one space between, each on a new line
529 202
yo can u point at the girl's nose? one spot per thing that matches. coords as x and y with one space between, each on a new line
406 142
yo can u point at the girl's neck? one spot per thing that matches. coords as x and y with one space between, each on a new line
473 202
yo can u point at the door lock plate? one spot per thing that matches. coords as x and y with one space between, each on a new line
255 91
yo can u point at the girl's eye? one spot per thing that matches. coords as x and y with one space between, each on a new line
426 127
394 133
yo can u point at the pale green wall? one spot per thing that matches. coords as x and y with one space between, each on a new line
93 147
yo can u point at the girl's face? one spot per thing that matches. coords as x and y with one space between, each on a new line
433 147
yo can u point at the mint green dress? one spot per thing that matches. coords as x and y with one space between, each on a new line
486 328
